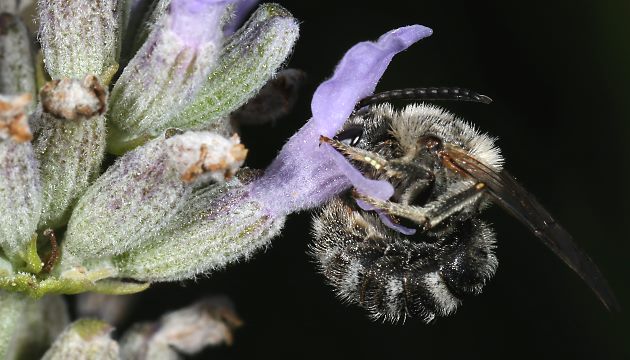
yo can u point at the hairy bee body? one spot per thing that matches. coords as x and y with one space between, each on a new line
394 276
390 274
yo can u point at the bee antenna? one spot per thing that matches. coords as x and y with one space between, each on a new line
425 94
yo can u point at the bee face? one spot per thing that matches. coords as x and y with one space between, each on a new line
419 253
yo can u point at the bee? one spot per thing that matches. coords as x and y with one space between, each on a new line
419 253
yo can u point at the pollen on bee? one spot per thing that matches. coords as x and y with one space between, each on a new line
372 162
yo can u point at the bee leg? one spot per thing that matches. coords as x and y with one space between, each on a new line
452 204
416 214
433 213
356 154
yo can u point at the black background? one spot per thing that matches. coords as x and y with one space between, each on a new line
559 73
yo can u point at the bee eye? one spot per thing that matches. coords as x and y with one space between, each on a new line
350 136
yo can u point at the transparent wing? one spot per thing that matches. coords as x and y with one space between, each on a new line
511 196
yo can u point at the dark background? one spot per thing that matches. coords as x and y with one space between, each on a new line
559 73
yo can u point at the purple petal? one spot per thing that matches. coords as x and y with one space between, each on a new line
194 20
386 219
357 74
375 188
305 174
390 224
241 10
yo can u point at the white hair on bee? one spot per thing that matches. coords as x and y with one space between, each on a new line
361 258
440 292
350 280
416 120
486 240
394 291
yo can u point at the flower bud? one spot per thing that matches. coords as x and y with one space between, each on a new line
80 37
137 195
185 331
245 63
216 226
17 74
176 58
20 188
84 339
248 60
69 143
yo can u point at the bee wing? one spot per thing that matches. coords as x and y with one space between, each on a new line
511 196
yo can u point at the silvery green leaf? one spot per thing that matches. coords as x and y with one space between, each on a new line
137 195
17 74
185 331
80 37
85 339
20 188
69 143
41 322
12 306
218 225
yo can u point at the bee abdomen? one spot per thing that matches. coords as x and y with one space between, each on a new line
393 277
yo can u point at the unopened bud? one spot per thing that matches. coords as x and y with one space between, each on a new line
250 58
80 37
17 74
140 193
245 63
69 143
218 225
20 187
175 60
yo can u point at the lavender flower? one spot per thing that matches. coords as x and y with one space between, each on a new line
316 171
174 204
238 219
